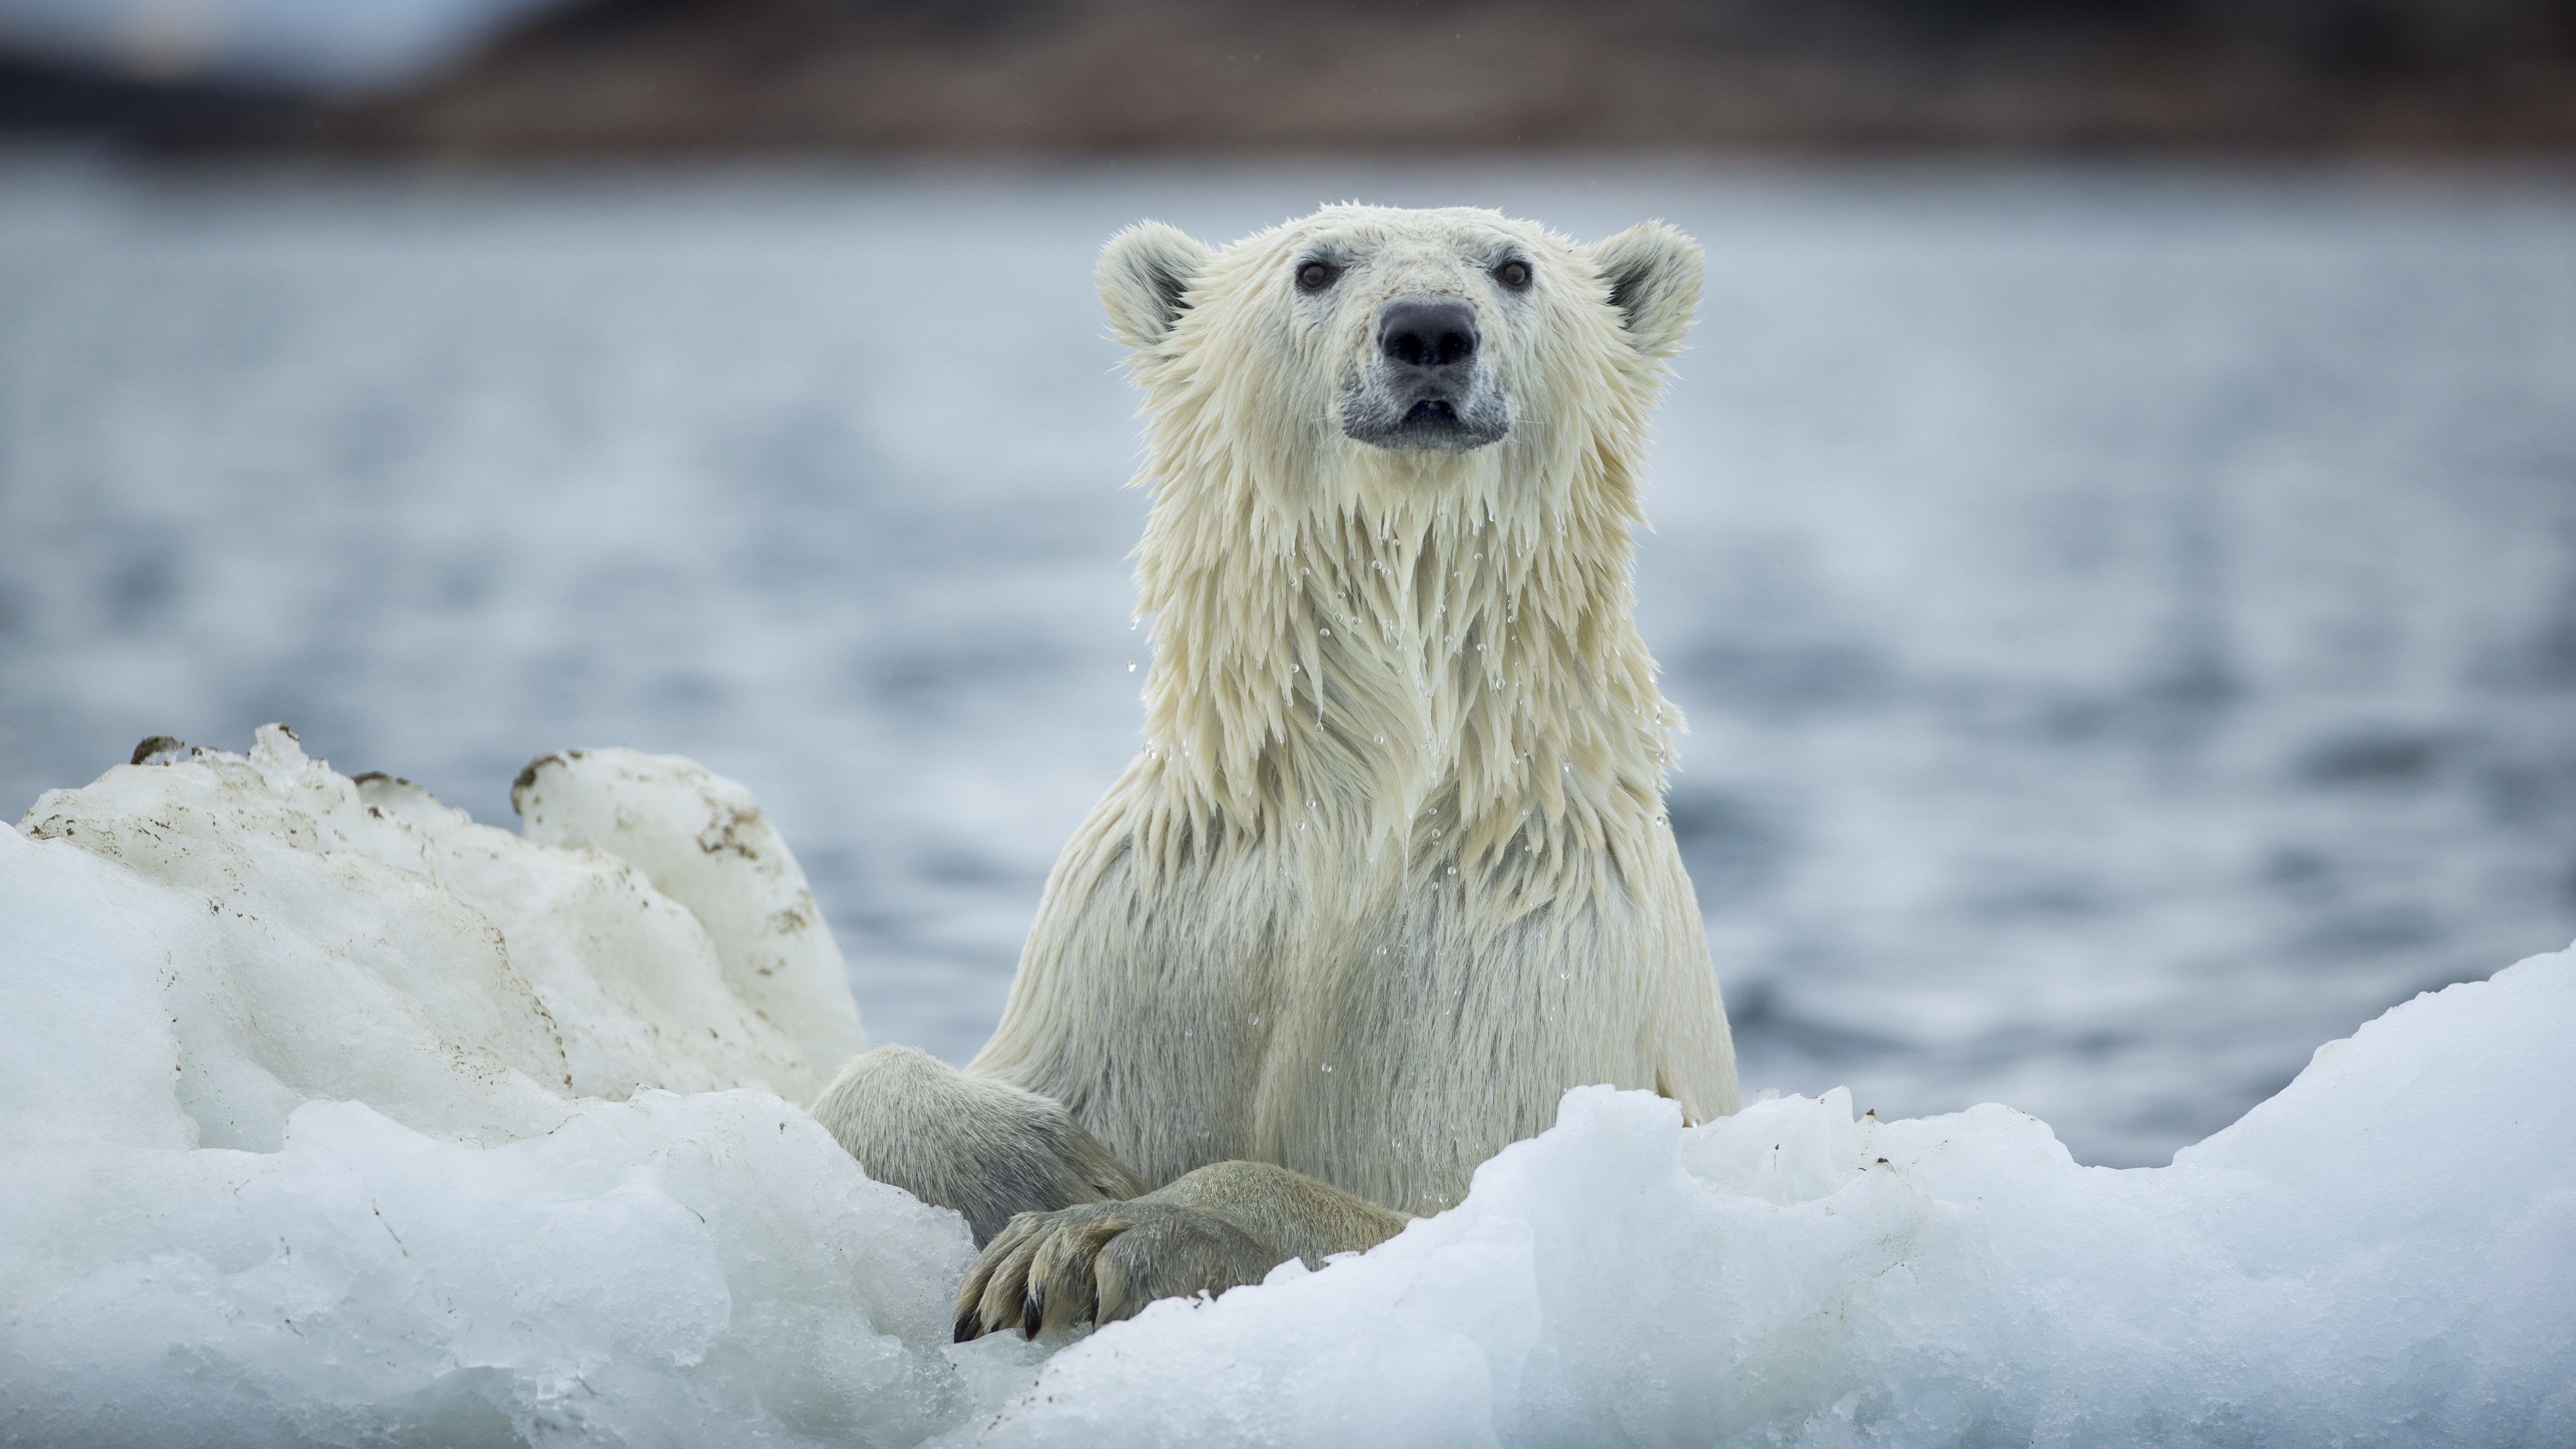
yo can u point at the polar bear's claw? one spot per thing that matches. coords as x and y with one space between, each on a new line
1101 1263
1174 1252
996 1288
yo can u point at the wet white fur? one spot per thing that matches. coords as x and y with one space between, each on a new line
1392 870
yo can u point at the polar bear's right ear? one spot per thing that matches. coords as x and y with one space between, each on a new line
1145 276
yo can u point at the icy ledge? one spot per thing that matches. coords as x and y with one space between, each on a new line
332 1117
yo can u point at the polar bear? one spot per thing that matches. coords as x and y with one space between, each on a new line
1392 870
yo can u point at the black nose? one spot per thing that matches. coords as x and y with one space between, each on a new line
1427 334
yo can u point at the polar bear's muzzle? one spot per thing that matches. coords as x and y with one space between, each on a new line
1426 385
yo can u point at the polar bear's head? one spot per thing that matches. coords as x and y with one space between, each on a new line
1395 461
1402 338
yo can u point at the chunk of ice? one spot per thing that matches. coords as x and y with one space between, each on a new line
2384 1253
330 938
327 1116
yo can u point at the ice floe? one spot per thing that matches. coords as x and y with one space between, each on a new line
329 1116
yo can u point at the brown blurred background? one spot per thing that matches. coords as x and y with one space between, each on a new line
655 77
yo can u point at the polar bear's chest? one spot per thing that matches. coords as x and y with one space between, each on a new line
1406 1034
1383 1025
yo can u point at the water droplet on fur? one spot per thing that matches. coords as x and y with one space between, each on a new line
1381 739
1328 1066
1453 870
1327 633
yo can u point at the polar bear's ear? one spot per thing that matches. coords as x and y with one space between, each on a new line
1145 276
1654 274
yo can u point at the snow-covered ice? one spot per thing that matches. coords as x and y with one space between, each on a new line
329 938
328 1116
2385 1253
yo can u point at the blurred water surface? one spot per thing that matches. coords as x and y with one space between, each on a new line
2128 618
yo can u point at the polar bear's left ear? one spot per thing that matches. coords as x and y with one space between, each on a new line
1145 276
1653 271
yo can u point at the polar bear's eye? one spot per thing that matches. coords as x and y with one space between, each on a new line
1316 276
1514 274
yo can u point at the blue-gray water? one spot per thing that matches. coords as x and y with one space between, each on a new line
2128 618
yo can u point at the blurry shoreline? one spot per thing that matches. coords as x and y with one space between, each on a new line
1165 78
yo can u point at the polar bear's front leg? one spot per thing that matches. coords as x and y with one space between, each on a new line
984 1148
1226 1224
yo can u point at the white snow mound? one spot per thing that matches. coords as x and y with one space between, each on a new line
2384 1253
328 1116
339 939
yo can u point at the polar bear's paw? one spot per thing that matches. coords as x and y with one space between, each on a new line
1100 1263
1214 1228
984 1148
